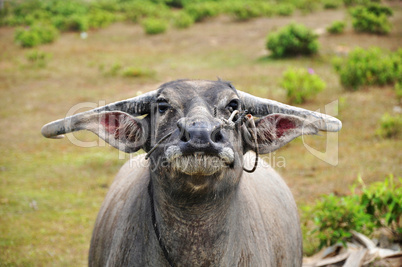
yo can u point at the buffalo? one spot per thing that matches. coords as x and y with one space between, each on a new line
190 200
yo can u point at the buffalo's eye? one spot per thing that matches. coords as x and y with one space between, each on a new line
163 107
233 105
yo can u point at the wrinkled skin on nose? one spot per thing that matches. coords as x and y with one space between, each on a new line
201 134
202 148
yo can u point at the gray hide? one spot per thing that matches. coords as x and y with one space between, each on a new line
206 210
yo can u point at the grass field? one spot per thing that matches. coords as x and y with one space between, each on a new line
51 190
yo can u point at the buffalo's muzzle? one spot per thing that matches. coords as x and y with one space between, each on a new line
200 135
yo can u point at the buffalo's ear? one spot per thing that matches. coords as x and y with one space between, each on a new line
121 130
276 130
117 128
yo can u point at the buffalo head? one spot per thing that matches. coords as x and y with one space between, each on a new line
196 132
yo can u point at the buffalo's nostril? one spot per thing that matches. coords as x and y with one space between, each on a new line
216 136
184 134
185 137
199 132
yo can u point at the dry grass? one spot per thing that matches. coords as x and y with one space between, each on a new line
51 190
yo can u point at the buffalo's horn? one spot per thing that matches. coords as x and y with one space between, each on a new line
135 106
259 107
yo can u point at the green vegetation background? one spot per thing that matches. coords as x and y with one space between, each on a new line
51 190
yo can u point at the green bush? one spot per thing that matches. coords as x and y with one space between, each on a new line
268 9
173 3
98 18
35 16
112 71
369 67
18 12
31 12
183 20
202 10
285 9
35 35
73 15
379 9
292 40
138 10
398 91
59 22
66 8
24 8
11 20
390 126
109 5
308 6
137 72
47 33
359 2
332 4
335 217
372 19
26 37
245 10
301 84
383 202
154 25
38 58
75 23
336 27
79 15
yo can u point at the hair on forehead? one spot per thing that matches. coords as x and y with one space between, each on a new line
228 83
185 83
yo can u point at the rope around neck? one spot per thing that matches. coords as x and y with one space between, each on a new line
155 225
158 144
250 130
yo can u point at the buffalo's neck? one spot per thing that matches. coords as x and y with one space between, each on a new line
192 232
